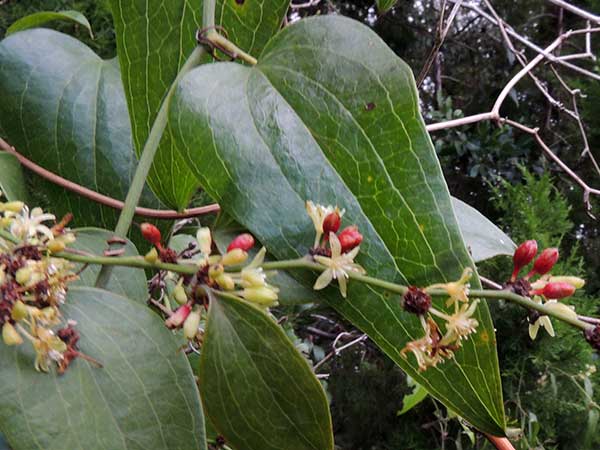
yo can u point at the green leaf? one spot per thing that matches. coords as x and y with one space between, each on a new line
43 17
291 292
411 400
331 114
64 108
144 397
126 281
484 239
258 391
12 182
153 42
385 5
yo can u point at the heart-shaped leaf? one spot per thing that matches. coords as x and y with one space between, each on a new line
12 182
43 17
64 108
331 114
484 239
153 43
259 392
145 396
126 281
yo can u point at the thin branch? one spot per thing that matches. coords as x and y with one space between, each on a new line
587 190
494 114
531 45
443 32
490 283
577 11
524 72
460 122
520 56
104 199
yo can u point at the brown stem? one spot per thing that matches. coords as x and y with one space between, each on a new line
500 443
103 199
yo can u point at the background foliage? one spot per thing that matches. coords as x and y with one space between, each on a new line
550 391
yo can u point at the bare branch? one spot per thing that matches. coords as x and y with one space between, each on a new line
443 32
577 11
528 66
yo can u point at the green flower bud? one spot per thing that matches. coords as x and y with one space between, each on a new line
179 294
215 271
264 296
253 277
10 335
15 207
56 246
151 256
234 257
204 240
23 275
19 311
563 309
225 281
191 324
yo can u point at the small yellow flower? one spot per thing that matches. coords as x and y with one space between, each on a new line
427 350
458 291
338 265
458 325
48 348
28 225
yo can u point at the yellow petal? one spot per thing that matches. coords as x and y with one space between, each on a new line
342 282
533 330
323 280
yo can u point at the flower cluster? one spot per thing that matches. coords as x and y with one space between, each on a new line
334 251
546 289
34 283
435 347
214 271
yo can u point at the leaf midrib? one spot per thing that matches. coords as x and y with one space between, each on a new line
226 319
394 259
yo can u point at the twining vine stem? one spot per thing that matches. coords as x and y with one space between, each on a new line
160 123
166 214
306 264
146 159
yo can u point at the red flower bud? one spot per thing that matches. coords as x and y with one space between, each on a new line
544 263
523 255
244 241
151 233
350 238
179 316
331 223
558 290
